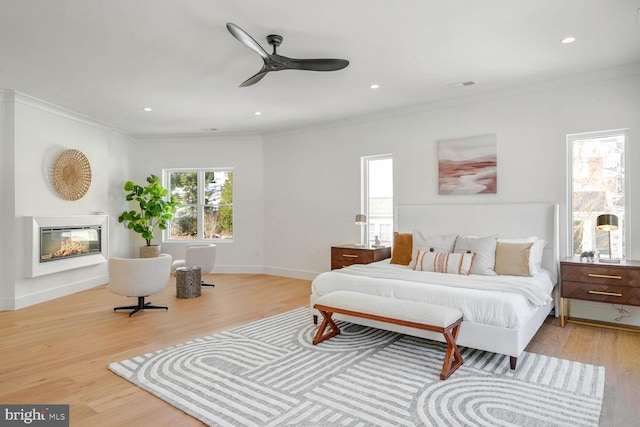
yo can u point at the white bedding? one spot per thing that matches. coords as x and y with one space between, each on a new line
505 301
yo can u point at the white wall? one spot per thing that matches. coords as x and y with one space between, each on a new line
42 132
243 153
296 193
312 178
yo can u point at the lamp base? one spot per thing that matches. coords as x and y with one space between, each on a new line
610 260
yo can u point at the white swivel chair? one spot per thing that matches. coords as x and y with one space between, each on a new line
203 256
139 277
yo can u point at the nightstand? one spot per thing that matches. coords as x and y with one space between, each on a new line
599 282
346 255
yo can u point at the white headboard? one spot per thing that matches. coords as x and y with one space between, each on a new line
507 220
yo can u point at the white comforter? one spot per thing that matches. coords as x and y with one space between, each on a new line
506 301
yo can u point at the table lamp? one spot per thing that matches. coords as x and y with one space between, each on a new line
608 222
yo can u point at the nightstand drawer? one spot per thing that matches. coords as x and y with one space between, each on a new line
346 255
604 275
601 293
353 256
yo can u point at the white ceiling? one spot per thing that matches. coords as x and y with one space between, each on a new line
108 59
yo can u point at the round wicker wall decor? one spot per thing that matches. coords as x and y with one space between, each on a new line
71 175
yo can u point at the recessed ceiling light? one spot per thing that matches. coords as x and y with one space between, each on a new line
257 113
568 40
147 109
374 86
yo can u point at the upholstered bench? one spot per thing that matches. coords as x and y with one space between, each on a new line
430 317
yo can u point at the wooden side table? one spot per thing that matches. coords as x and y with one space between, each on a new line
599 282
346 255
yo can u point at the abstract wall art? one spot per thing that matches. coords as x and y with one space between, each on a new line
467 165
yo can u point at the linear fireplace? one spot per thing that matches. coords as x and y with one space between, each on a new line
58 243
65 243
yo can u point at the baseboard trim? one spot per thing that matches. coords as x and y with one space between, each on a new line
272 271
61 291
287 272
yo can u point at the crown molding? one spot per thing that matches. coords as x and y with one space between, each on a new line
201 137
20 98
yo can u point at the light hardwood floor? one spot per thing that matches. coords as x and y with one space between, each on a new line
57 351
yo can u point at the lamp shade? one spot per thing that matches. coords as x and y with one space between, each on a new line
607 222
361 219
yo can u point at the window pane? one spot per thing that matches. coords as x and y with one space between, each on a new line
184 224
218 222
598 177
386 233
218 187
184 187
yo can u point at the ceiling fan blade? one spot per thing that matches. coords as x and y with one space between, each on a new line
255 79
247 40
315 64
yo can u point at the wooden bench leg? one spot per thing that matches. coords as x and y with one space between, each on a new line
449 366
326 321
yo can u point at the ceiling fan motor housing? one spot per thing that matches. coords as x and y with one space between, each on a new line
274 40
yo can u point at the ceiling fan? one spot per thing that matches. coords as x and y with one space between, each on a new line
275 62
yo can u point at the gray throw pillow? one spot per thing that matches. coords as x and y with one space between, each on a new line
485 249
427 243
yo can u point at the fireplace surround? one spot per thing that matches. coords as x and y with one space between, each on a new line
64 243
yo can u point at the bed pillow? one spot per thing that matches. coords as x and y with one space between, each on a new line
535 255
513 258
427 243
485 249
440 262
402 248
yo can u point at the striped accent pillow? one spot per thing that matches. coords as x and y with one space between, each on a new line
439 262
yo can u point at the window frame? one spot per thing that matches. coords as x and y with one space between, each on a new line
571 138
364 195
200 205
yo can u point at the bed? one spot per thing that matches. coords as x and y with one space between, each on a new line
502 312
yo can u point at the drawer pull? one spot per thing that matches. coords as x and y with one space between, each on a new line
611 294
604 276
349 256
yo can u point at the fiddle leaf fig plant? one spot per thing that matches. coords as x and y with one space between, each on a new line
155 209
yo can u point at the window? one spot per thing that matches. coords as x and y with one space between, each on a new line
597 186
377 198
206 197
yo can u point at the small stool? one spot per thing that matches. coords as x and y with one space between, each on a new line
188 282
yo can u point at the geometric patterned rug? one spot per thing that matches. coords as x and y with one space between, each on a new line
268 373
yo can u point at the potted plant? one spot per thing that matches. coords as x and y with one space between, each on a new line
155 210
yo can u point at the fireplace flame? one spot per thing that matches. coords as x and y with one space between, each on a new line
71 247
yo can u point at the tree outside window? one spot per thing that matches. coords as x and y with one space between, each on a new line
206 212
